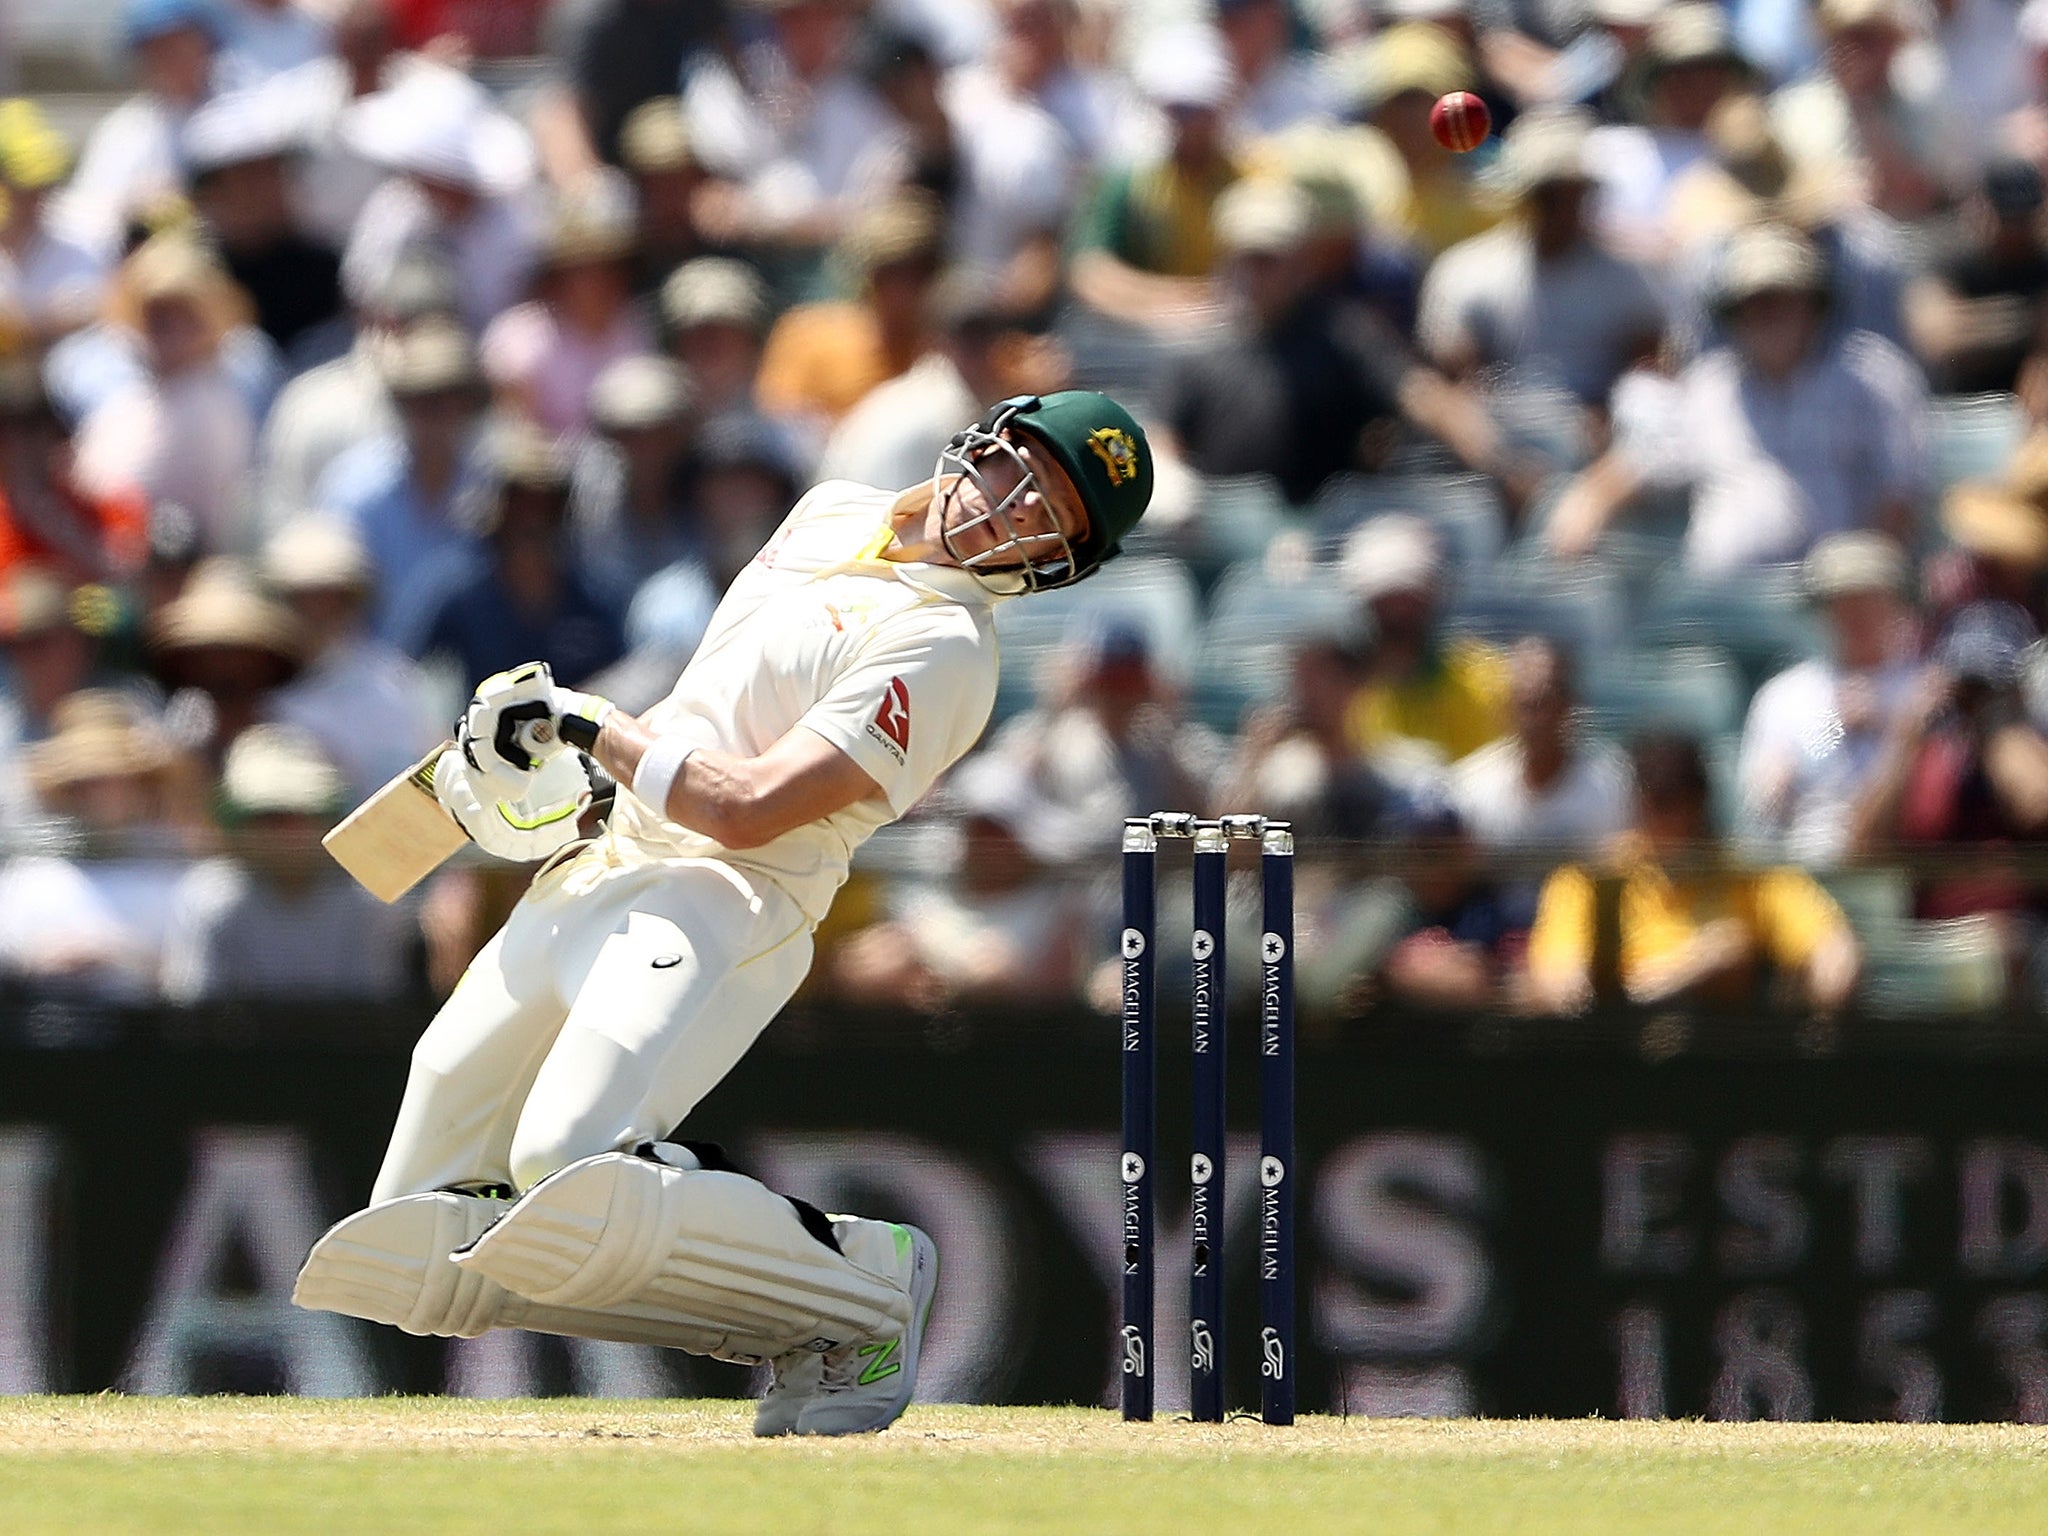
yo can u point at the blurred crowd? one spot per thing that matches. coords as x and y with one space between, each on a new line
1620 551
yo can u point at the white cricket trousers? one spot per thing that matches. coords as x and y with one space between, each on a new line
614 998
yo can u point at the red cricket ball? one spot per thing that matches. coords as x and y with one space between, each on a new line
1460 121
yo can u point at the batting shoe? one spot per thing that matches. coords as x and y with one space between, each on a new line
865 1386
797 1375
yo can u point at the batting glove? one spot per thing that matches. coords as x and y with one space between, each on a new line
538 819
520 718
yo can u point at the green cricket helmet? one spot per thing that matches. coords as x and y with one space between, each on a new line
1103 450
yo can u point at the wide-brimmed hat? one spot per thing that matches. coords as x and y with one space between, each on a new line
239 127
1545 147
222 606
714 289
908 226
636 393
1262 214
316 553
98 733
1846 15
431 357
1691 32
596 223
1769 258
1411 56
1398 552
1996 524
519 455
33 601
1860 561
175 265
440 126
655 137
1184 65
280 770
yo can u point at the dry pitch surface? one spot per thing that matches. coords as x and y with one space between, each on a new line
278 1466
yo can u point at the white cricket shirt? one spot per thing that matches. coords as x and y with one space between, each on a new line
893 663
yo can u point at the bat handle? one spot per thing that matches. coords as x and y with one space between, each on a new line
538 737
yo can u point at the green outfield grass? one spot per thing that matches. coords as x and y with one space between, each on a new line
279 1467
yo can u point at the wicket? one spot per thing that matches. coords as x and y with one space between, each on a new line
1211 840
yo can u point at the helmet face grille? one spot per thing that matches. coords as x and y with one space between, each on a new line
1015 562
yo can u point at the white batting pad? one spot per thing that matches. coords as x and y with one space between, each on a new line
390 1264
717 1251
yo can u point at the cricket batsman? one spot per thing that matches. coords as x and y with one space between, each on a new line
536 1177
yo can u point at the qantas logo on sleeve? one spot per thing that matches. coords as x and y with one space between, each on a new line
891 725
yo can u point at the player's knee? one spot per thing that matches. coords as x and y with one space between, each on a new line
546 1142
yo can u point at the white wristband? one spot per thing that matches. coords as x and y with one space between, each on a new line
659 765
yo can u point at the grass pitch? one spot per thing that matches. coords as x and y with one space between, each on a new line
280 1467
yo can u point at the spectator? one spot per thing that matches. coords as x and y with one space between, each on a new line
1421 196
821 358
1001 933
93 927
458 171
407 493
1543 786
654 147
237 151
743 481
542 356
1859 118
893 436
1440 938
794 139
1106 740
1749 178
131 164
2025 130
49 656
716 311
1998 537
1277 86
222 650
1295 760
1030 126
607 60
327 410
630 503
1964 770
1689 928
1784 435
264 38
332 180
523 597
273 919
1144 248
361 699
906 77
1445 693
1690 66
1816 731
1297 386
45 517
1977 312
49 283
182 432
1541 295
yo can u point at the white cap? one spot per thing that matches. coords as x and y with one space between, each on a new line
1397 552
316 552
1185 66
439 125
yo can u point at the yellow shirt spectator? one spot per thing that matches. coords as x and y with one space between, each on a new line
1457 702
1785 914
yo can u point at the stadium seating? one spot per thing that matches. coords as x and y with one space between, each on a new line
1154 593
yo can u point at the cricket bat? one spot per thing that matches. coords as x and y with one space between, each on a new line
399 836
